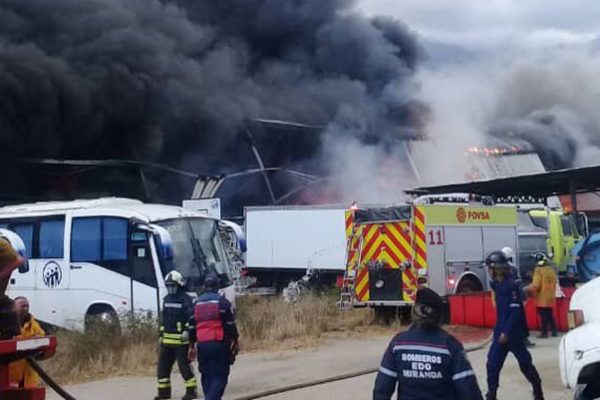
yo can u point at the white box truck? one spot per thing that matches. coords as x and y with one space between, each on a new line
284 241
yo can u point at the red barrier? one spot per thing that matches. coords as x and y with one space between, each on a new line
532 315
478 309
489 311
474 309
457 310
562 322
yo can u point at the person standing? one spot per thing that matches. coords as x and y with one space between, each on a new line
509 253
20 373
508 334
174 338
426 362
543 288
216 335
9 317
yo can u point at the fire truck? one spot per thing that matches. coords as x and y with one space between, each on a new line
391 251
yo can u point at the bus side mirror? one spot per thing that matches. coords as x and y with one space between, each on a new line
17 243
162 240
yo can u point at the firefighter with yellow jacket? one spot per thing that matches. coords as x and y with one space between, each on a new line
174 338
20 373
543 287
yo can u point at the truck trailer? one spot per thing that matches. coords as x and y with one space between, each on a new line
284 242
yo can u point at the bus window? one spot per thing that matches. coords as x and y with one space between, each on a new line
51 239
114 239
207 234
197 249
26 233
86 235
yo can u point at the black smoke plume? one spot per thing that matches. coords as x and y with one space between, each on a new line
176 81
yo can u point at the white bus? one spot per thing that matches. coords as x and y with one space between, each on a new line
105 257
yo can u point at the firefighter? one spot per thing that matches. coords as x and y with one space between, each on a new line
174 338
425 362
9 317
543 288
217 338
508 334
509 253
20 373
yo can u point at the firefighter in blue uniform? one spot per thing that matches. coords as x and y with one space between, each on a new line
217 338
425 362
508 332
174 338
509 253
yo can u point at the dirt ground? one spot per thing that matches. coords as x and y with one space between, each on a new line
258 372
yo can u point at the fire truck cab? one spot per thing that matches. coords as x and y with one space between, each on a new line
393 250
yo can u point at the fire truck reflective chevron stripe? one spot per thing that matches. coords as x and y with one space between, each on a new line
388 244
353 241
420 242
349 223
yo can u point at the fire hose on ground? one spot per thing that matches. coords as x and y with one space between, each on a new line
349 375
62 393
53 385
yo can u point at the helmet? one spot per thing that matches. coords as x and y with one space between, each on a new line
173 281
541 259
508 252
497 259
211 280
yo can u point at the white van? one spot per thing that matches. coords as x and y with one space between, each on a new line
579 350
105 257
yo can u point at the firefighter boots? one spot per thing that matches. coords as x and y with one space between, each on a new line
491 395
163 394
190 394
537 393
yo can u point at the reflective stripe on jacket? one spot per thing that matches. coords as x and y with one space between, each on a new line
177 311
426 364
213 318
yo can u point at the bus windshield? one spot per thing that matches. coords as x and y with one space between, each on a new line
197 249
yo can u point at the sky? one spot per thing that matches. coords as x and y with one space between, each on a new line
477 24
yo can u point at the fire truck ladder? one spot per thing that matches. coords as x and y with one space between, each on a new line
347 294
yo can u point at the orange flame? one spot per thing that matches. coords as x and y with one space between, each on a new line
493 151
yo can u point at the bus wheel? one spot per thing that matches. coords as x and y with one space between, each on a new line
469 285
103 318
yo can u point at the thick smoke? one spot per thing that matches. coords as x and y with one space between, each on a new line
544 101
176 81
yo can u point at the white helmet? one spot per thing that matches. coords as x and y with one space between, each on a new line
508 252
174 277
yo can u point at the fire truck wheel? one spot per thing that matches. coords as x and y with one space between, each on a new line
469 285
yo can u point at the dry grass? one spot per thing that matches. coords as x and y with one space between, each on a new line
270 323
265 324
101 353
